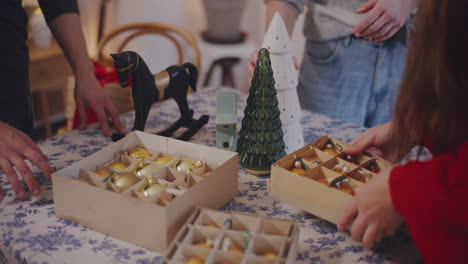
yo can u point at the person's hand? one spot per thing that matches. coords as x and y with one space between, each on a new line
15 147
384 18
88 93
253 63
372 211
376 140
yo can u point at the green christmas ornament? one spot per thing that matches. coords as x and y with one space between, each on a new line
260 141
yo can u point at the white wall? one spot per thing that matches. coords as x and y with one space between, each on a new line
186 13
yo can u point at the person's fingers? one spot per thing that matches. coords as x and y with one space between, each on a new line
364 142
388 35
392 157
371 17
12 178
348 216
26 172
380 33
102 119
31 144
375 27
37 159
370 235
114 115
358 138
358 228
366 7
82 115
375 151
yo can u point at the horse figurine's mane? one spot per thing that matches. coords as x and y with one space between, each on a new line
174 82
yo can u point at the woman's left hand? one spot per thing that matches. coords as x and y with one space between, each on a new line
372 211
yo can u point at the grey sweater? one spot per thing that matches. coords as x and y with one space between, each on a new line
330 19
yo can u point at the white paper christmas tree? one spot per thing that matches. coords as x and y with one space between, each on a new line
278 43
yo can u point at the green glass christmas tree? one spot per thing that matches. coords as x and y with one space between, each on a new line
260 141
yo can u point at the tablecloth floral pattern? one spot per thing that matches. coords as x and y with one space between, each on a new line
30 232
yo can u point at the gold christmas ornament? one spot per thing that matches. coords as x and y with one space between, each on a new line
186 165
103 173
152 188
314 160
195 260
118 166
341 168
271 255
205 174
207 244
144 170
330 150
298 171
299 167
236 250
163 160
138 153
124 180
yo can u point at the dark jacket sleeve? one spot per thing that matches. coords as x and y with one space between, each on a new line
55 8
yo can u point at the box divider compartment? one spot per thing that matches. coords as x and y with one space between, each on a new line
226 257
241 222
266 244
211 218
275 227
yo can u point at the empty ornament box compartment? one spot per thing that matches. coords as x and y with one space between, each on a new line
257 239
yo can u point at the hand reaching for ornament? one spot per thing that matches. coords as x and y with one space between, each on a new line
253 63
88 92
384 18
377 141
15 147
372 211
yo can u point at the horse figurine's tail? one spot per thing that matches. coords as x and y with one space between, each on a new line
193 74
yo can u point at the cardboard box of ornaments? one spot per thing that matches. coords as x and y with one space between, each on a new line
321 179
142 188
211 237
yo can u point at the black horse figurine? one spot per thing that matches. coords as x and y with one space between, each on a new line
173 82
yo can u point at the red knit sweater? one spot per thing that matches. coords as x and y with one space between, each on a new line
432 197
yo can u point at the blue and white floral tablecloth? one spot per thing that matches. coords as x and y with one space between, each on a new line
30 232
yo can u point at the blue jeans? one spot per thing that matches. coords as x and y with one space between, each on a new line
352 79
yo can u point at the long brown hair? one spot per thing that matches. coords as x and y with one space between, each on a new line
433 99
